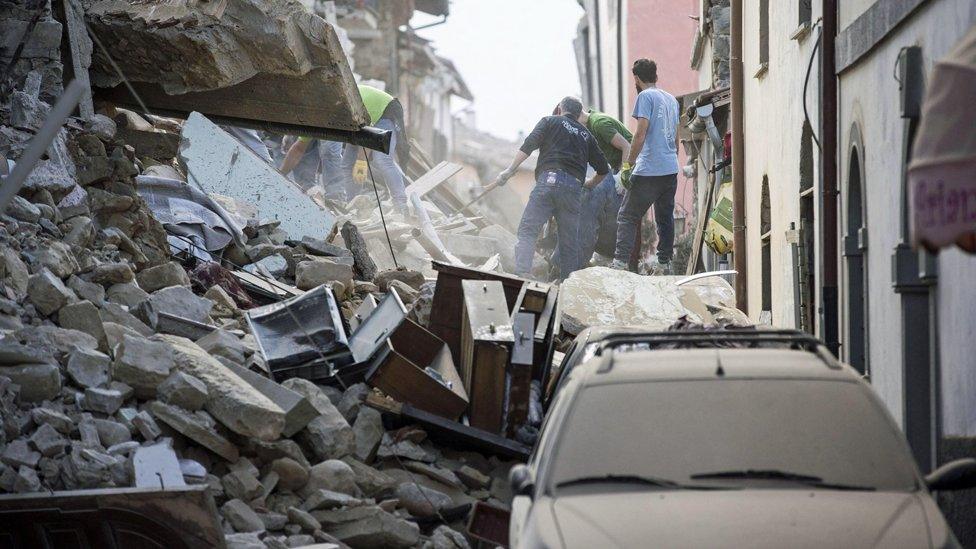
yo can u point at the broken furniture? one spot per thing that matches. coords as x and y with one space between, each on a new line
303 336
446 312
486 345
183 517
414 366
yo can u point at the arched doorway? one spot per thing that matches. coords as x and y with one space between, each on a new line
855 257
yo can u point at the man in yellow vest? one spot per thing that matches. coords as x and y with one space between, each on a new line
385 112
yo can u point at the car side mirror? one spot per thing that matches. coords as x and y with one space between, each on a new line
955 475
521 481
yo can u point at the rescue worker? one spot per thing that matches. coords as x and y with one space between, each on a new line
565 148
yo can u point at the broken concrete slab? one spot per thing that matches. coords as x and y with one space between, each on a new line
48 293
599 296
183 390
323 270
163 276
179 301
298 410
223 344
364 527
194 428
291 474
223 165
48 441
331 474
84 317
156 466
142 364
233 401
105 401
241 517
38 382
368 432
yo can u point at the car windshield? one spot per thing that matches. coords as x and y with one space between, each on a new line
767 433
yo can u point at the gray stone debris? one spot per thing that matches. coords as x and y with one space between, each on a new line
127 294
54 418
59 258
327 499
111 432
244 540
183 390
105 401
322 270
292 475
26 480
303 519
221 343
234 402
444 537
48 293
368 433
17 453
156 466
195 428
352 400
146 425
163 276
112 273
176 300
143 364
473 478
87 290
88 368
38 382
421 501
241 517
334 475
369 527
48 441
241 484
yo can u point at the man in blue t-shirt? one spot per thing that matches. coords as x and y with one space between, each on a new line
654 179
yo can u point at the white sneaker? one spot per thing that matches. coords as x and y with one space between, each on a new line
619 265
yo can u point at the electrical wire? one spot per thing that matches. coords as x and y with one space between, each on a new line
379 204
806 83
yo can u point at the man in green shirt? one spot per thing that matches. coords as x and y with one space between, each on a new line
598 212
385 112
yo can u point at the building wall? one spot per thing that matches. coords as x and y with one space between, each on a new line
773 126
869 98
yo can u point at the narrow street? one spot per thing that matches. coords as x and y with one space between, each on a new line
456 274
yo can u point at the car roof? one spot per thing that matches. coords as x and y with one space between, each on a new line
725 363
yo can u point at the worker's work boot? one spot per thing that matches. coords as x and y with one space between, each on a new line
619 265
661 269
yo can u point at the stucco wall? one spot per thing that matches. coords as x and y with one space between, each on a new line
869 98
773 125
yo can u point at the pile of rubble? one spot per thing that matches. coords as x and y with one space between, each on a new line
124 366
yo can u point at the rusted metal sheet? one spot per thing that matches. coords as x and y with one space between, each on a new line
114 518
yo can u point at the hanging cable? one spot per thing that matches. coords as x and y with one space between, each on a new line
379 204
806 83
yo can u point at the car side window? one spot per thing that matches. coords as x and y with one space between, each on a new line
550 424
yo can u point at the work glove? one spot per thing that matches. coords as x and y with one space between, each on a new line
359 171
503 177
618 184
625 172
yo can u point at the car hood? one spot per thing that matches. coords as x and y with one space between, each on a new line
742 518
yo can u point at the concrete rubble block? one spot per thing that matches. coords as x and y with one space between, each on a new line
146 425
143 364
406 292
352 401
38 382
88 368
473 478
84 317
18 453
87 290
195 428
233 401
327 499
328 437
241 484
59 259
223 165
445 537
244 540
413 279
434 472
312 274
55 341
105 401
297 408
88 433
163 276
599 296
183 390
421 501
363 265
366 527
368 432
224 344
270 451
15 272
47 416
115 333
128 294
273 522
316 246
156 466
373 482
332 474
111 432
48 293
123 448
118 314
48 441
307 522
26 481
241 517
292 475
108 274
175 300
13 353
224 304
405 449
22 209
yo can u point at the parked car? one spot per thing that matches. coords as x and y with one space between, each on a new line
724 439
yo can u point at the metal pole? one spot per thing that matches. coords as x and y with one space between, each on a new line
829 294
738 164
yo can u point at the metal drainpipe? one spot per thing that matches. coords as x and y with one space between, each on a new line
738 163
829 298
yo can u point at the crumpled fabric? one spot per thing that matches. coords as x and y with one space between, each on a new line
189 213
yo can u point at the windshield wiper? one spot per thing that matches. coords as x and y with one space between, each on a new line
776 474
622 479
639 479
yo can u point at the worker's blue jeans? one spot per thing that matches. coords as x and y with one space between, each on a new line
644 192
384 168
333 183
555 194
598 219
